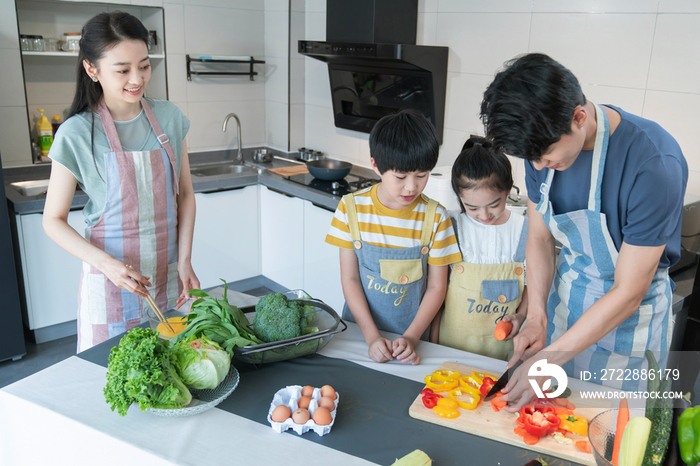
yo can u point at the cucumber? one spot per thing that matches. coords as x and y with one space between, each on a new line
660 413
653 384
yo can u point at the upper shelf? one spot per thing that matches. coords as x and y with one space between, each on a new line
71 54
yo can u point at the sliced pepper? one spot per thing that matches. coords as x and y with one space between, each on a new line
472 380
446 375
486 385
444 411
430 400
575 424
440 384
448 403
539 420
471 393
482 376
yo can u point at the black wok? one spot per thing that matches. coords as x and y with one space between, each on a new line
329 169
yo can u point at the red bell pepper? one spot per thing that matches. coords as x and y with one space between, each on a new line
486 385
539 419
430 398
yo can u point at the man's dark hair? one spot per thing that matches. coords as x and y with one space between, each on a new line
404 142
530 104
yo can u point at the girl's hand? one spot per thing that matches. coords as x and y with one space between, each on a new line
380 350
517 320
404 350
189 282
124 276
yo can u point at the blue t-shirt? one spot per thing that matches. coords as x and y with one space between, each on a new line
643 186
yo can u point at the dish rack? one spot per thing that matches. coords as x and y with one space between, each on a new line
325 318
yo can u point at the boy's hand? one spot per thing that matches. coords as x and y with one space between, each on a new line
404 350
380 350
517 320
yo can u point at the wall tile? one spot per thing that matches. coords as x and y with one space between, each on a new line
297 123
12 89
177 77
674 67
321 134
297 32
629 100
485 6
485 48
427 6
316 6
9 32
153 3
426 33
276 5
298 5
465 91
217 88
15 145
296 80
276 80
364 153
207 119
317 84
277 125
184 108
224 31
677 114
679 6
452 143
175 28
257 5
595 6
56 70
276 34
595 60
693 186
315 26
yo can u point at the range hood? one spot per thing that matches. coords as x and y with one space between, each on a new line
372 79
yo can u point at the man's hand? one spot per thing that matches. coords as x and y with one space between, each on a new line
518 391
530 340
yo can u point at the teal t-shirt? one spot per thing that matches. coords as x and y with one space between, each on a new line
72 149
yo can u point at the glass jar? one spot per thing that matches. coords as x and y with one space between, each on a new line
38 42
31 43
26 42
50 45
72 41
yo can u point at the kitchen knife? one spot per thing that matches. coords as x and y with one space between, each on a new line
502 381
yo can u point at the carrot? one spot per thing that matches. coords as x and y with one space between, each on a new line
498 402
520 431
584 446
530 439
561 402
570 405
519 422
502 330
494 407
623 417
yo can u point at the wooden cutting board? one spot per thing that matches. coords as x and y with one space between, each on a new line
485 422
290 171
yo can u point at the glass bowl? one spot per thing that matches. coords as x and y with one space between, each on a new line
601 434
177 318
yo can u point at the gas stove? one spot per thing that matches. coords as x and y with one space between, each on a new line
349 184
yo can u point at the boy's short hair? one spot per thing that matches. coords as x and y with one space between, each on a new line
530 104
404 142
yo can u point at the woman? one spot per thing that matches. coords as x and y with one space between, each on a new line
128 154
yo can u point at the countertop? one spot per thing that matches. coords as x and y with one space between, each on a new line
20 204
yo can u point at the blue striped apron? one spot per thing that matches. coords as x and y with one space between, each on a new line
585 271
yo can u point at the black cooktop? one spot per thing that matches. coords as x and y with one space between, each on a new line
349 184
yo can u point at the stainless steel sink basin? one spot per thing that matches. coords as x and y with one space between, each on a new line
31 188
222 169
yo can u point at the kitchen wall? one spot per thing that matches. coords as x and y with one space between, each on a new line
640 55
258 28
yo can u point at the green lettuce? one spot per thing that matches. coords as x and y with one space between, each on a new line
201 362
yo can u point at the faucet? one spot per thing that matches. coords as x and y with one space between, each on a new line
239 154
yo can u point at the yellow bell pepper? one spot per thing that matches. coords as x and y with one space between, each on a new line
470 392
482 376
444 411
577 425
438 384
446 375
448 403
473 381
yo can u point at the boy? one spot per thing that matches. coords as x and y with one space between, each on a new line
396 278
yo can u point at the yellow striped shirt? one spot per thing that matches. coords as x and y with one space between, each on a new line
389 228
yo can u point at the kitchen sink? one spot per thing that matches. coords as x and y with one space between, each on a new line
31 188
222 169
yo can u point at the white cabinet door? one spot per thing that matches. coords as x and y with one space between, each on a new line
321 261
51 275
226 240
282 235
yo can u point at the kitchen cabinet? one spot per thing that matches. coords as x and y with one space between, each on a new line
51 278
321 261
226 240
282 238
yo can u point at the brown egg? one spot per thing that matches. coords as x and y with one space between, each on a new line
300 416
322 416
307 391
281 413
326 402
304 402
328 391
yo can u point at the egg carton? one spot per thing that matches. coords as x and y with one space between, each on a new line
289 396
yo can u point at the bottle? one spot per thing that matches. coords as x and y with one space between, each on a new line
45 133
55 123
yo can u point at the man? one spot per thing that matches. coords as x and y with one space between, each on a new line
609 187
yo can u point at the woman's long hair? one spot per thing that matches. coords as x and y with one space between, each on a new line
100 34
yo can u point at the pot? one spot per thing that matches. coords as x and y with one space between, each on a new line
329 169
262 155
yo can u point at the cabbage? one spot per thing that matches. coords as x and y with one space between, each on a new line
201 362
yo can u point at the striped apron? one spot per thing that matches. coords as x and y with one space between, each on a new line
393 279
138 227
585 271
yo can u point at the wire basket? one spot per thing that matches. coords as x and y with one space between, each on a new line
326 320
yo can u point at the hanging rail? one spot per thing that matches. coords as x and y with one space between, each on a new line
252 61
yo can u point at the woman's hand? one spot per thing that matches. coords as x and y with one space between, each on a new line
189 282
124 276
405 350
380 350
518 392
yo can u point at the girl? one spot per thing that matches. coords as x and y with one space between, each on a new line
128 154
489 285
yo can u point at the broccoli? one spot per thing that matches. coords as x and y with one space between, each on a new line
277 318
